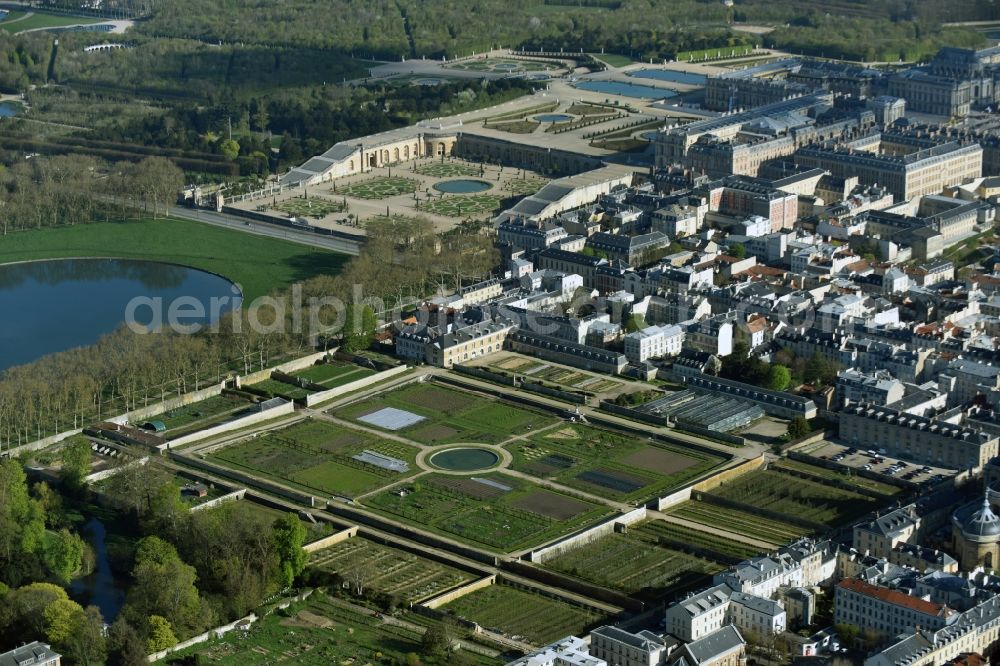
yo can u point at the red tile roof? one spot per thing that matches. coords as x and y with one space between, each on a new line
895 597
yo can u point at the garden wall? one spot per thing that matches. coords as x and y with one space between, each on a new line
291 366
458 592
218 632
146 413
589 590
234 496
112 471
587 536
247 479
331 540
236 424
324 396
726 475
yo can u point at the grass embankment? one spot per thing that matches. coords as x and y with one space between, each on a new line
260 265
20 21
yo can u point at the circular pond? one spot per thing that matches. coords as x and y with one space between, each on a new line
554 118
463 186
464 459
506 65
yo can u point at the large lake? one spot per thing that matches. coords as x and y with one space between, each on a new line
52 306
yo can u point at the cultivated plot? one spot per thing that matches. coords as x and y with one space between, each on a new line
606 463
319 457
366 564
500 512
449 416
781 493
747 523
636 563
532 617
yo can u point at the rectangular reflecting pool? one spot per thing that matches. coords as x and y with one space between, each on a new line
626 89
670 75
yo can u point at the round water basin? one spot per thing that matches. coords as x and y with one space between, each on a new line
464 459
506 65
464 186
554 118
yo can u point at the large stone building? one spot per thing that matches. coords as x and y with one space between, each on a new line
906 171
32 654
917 438
975 535
955 82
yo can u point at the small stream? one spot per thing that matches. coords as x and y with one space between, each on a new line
99 588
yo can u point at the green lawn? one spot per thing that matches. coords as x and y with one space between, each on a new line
258 264
332 375
42 20
613 59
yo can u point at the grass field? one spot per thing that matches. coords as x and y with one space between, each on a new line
789 495
258 264
613 59
606 463
503 520
451 416
316 456
633 563
388 570
318 632
380 187
279 388
742 522
463 205
14 23
332 375
535 618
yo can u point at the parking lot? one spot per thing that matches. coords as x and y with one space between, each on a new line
876 461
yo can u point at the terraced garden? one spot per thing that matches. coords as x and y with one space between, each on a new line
500 512
633 563
462 205
388 570
607 463
380 187
874 485
741 522
657 530
536 618
450 416
316 456
790 495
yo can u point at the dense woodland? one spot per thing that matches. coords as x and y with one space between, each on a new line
199 568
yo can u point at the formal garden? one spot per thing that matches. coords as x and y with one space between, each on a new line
462 205
379 187
314 207
447 169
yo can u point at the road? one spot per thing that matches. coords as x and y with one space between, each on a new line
333 243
